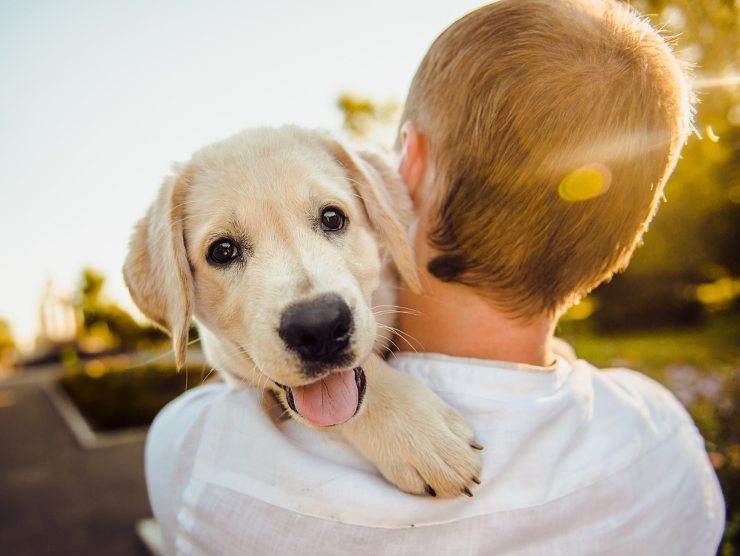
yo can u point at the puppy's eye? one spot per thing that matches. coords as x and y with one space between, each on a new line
223 251
332 219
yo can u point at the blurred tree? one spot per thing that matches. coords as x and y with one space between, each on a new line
695 236
105 325
7 344
91 284
366 120
699 218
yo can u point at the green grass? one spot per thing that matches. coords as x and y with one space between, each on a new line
713 347
701 366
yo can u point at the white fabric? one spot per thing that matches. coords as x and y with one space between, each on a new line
577 461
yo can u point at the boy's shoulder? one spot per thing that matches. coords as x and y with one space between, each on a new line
648 400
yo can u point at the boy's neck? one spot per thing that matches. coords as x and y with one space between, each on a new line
451 319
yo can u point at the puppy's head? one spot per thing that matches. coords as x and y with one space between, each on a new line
275 240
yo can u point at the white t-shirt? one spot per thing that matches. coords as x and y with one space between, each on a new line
577 461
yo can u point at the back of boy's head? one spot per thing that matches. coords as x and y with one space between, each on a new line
552 127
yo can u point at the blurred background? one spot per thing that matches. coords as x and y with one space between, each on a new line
97 100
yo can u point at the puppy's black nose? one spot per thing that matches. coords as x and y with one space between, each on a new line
318 330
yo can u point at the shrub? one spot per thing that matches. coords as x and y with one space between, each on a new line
113 398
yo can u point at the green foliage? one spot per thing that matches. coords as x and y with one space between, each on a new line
368 120
7 343
695 236
106 322
91 286
6 336
113 398
645 302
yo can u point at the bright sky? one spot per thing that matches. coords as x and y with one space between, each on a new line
98 97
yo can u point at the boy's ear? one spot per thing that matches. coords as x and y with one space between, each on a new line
413 163
156 271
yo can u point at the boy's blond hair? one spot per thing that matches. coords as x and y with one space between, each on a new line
530 107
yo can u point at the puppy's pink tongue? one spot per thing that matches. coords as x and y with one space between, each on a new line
329 401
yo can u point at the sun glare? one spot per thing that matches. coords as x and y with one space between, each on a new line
585 183
706 83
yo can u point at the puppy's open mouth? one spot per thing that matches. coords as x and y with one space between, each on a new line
330 401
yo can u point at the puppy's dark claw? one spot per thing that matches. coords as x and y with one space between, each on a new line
467 492
475 445
476 480
430 491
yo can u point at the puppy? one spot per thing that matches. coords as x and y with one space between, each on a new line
286 248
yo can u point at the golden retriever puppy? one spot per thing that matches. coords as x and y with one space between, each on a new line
280 243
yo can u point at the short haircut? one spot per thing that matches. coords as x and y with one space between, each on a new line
517 97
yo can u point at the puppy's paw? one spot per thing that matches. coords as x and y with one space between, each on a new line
435 452
417 441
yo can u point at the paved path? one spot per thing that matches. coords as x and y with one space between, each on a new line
57 498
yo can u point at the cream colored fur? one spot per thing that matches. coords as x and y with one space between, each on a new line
265 187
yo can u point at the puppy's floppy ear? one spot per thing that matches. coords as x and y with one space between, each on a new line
387 204
157 271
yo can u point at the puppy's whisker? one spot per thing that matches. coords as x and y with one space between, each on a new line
263 381
396 312
390 341
407 338
270 403
151 360
274 402
399 307
208 374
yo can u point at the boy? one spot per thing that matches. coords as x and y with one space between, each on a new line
537 138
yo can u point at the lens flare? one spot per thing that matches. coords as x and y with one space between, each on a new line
586 182
707 83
